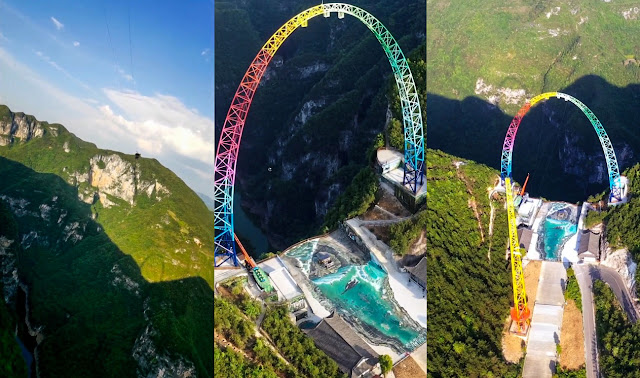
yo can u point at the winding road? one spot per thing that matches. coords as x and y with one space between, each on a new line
586 274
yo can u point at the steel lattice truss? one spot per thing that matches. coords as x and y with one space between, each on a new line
610 156
229 143
520 311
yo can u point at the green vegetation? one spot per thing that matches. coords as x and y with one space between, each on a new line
594 218
407 232
355 200
622 221
228 321
233 326
89 267
335 77
241 299
469 279
478 52
150 230
580 373
231 364
619 350
573 290
386 364
11 362
296 347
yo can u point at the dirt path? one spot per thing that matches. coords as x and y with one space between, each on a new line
512 346
472 201
493 213
531 278
407 368
226 343
571 338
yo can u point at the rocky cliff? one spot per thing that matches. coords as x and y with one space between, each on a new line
106 246
318 109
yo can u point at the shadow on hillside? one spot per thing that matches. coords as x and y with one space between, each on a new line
555 143
91 299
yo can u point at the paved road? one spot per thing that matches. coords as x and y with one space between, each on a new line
584 276
615 281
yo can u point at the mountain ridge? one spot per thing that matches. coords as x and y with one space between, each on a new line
107 247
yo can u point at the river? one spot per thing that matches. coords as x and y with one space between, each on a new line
245 228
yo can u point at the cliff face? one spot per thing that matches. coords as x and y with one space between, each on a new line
19 127
319 107
102 237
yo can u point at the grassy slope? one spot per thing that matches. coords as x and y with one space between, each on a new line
91 320
133 229
509 46
469 294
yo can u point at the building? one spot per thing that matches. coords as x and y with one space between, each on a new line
325 259
285 285
528 210
419 273
342 344
590 246
524 237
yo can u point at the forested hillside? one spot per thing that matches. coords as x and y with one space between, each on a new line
107 246
619 352
11 361
315 116
468 277
485 59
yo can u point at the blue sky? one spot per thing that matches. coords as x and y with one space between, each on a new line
127 75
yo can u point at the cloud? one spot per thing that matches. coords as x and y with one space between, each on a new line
64 72
125 75
159 126
3 38
76 43
162 125
206 53
59 25
44 87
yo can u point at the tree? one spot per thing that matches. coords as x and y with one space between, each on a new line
385 363
396 134
251 308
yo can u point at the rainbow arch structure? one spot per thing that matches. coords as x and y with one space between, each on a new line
229 143
520 312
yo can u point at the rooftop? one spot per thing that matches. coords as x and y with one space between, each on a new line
420 271
524 236
589 243
341 343
281 278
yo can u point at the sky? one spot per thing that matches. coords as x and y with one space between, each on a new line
127 75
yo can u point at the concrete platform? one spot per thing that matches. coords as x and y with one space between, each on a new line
397 175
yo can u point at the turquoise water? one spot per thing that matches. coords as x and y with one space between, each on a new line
556 233
303 254
367 301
